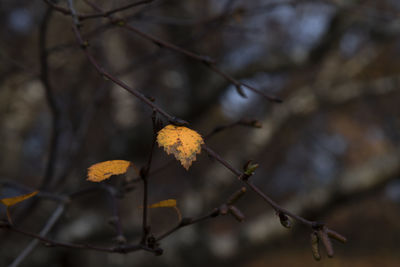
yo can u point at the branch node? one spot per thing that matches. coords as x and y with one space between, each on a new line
215 213
317 225
285 221
223 209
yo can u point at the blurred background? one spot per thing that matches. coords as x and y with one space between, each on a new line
329 152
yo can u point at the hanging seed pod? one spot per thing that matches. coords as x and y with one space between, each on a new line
336 236
315 246
326 241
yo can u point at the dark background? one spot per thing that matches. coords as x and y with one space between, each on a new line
329 152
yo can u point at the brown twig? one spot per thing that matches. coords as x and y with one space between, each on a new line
144 173
67 11
223 209
46 229
207 61
52 243
102 72
51 101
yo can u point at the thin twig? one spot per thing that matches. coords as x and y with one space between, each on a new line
207 61
118 82
221 210
144 173
67 11
272 203
52 243
46 229
51 101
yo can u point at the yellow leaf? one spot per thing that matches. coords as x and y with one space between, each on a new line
183 142
11 201
103 170
168 203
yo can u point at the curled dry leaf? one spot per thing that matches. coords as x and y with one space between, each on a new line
168 203
181 141
104 170
11 201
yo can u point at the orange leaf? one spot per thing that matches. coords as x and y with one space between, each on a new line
11 201
168 203
103 170
183 142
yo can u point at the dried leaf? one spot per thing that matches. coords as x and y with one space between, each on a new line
104 170
168 203
11 201
181 141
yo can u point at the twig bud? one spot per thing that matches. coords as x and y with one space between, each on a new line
256 124
235 197
285 221
236 213
240 91
121 23
249 168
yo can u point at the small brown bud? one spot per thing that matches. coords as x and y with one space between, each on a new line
236 213
235 197
285 221
223 210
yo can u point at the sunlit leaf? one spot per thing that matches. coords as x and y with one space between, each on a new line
181 141
104 170
11 201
